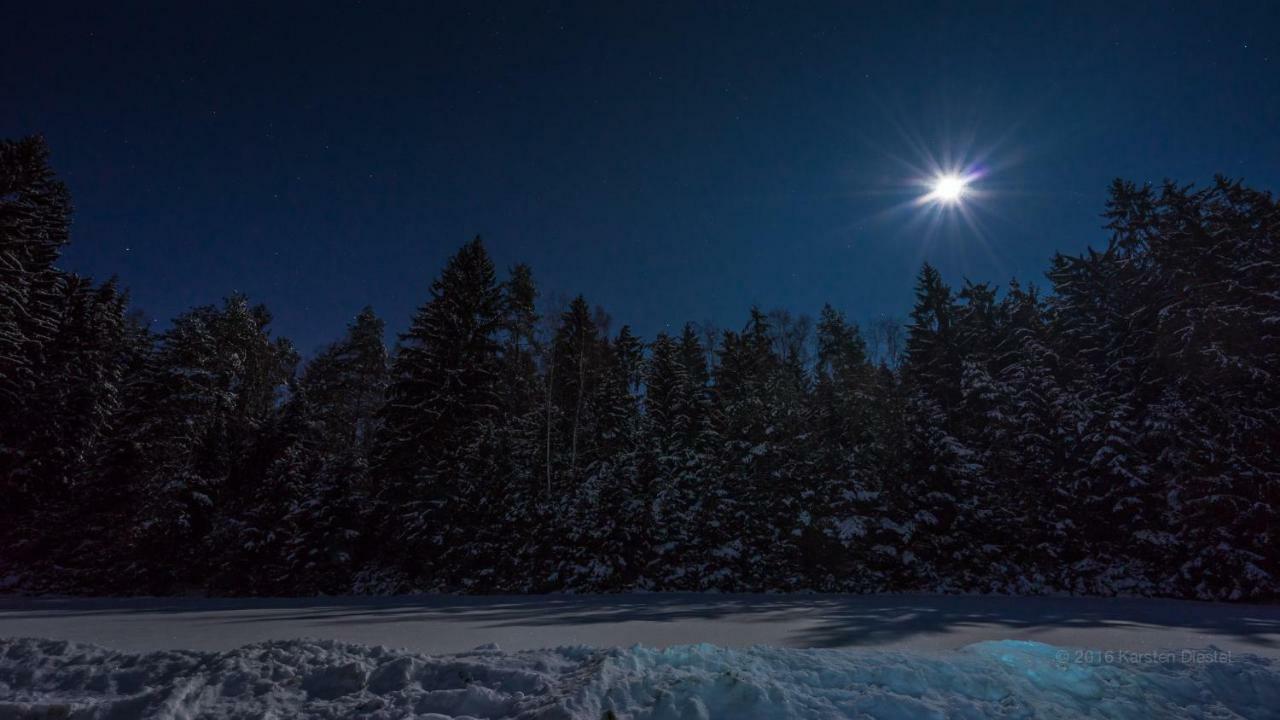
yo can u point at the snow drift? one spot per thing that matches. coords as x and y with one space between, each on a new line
1002 679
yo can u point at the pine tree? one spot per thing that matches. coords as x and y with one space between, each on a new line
304 522
986 506
844 499
187 453
612 527
523 432
662 460
1026 436
577 358
347 383
76 407
933 363
435 460
520 345
760 399
35 213
686 511
1110 481
940 467
76 384
1198 266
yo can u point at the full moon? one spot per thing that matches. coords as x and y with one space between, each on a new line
948 189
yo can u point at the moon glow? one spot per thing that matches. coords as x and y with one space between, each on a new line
948 189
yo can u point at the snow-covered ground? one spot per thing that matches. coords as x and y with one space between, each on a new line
639 656
444 624
1009 679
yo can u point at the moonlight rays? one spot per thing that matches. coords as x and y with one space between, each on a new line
948 189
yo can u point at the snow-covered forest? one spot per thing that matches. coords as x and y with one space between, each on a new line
1116 431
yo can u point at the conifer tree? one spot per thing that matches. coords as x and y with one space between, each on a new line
939 465
435 460
523 434
75 409
612 527
1115 434
577 354
759 398
1026 438
843 501
305 520
35 214
933 353
186 455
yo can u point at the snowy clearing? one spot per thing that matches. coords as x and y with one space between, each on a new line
1009 679
761 656
449 624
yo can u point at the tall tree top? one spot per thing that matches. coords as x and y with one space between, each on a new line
35 207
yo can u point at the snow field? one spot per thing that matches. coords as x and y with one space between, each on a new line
327 679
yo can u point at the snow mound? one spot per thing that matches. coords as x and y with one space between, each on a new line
297 678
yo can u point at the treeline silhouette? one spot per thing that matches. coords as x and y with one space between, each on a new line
1118 433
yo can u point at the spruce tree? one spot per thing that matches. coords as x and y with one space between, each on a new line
577 358
75 408
35 214
435 461
612 525
304 522
939 467
844 500
760 399
187 455
523 444
687 511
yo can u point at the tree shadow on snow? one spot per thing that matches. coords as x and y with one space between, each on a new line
822 621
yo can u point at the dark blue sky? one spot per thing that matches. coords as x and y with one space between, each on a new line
670 163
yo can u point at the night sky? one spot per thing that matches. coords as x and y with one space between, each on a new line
670 163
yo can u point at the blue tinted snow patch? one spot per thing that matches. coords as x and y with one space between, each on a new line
1005 679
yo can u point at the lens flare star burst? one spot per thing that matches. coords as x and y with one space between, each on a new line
947 185
948 189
